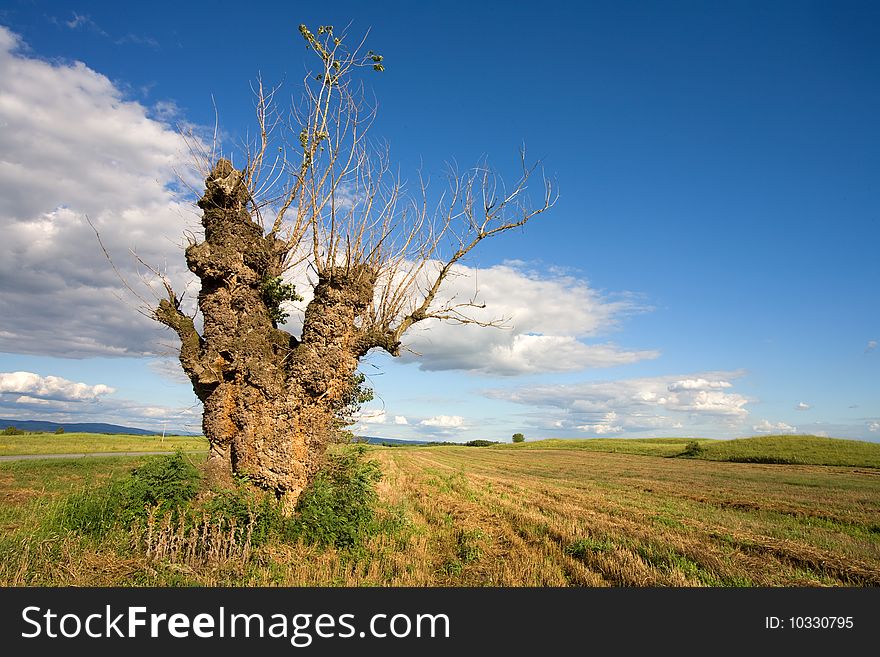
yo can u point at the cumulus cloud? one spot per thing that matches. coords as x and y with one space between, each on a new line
371 417
25 395
34 401
546 322
443 421
802 406
697 384
655 404
378 420
72 147
608 425
50 387
768 427
872 345
874 426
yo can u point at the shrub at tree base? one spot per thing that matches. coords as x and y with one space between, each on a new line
339 506
169 482
163 503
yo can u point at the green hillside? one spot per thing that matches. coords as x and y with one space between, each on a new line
794 450
788 449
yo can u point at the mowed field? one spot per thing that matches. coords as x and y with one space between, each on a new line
561 517
75 442
526 515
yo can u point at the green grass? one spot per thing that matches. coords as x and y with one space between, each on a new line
451 516
787 449
153 509
794 450
640 446
77 443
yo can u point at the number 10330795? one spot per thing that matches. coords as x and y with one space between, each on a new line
809 622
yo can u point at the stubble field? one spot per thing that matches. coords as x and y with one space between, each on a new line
503 516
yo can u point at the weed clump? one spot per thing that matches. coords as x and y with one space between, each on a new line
692 449
168 482
338 508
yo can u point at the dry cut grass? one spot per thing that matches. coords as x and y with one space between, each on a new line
459 516
571 517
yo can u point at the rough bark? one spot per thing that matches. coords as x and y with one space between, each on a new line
268 398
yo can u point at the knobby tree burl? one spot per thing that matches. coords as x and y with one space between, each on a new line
314 195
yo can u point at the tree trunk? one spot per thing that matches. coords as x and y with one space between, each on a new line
269 399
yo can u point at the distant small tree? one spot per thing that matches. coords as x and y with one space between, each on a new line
13 431
693 448
518 438
59 430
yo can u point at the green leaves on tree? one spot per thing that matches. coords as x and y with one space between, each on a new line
275 292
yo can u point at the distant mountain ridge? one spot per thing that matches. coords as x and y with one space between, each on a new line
84 427
375 440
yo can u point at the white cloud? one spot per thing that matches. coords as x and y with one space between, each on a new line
27 399
606 426
802 406
779 427
874 426
26 395
546 318
872 345
372 417
443 421
84 21
697 384
655 404
400 419
72 146
50 387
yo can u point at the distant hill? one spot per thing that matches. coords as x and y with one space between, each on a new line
374 440
84 427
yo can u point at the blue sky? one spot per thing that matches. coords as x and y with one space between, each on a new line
710 269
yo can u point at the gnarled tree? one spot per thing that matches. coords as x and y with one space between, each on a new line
325 202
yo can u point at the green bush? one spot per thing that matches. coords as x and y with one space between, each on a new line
519 438
480 443
338 508
169 481
693 448
13 431
59 431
